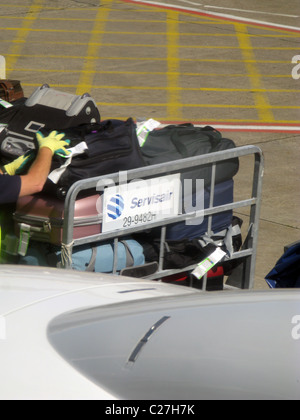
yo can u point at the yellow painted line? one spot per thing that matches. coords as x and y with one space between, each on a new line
85 82
232 47
209 47
215 120
73 9
174 105
194 105
282 35
57 30
137 21
83 19
153 73
78 31
288 76
214 60
199 47
141 21
137 9
276 48
172 88
207 60
22 33
83 31
262 103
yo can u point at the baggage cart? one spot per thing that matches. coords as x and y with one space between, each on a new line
241 278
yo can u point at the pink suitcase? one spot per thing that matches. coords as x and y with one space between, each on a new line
43 217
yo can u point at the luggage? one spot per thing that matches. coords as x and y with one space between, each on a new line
40 217
10 90
45 108
215 276
183 253
215 279
198 226
98 257
223 194
175 142
111 146
286 273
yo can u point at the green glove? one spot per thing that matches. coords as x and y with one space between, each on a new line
54 142
21 164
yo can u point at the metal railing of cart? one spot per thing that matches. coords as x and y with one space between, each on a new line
247 253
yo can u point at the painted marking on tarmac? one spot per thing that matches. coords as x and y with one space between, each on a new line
215 15
174 105
244 10
244 127
206 60
267 128
161 73
22 34
262 103
85 82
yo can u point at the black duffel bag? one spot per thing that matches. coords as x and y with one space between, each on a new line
112 147
175 142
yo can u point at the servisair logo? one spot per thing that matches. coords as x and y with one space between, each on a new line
140 202
116 204
115 207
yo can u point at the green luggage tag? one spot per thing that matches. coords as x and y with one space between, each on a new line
205 265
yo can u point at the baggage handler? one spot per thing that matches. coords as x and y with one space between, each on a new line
14 185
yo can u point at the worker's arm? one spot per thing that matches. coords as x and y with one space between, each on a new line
37 175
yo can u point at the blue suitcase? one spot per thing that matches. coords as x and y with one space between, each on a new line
223 195
98 257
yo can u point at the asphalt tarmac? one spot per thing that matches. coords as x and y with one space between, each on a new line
229 64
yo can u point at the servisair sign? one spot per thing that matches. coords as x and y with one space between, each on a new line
141 202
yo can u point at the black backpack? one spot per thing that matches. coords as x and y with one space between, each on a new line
175 142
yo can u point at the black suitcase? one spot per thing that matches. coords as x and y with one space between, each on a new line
45 108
